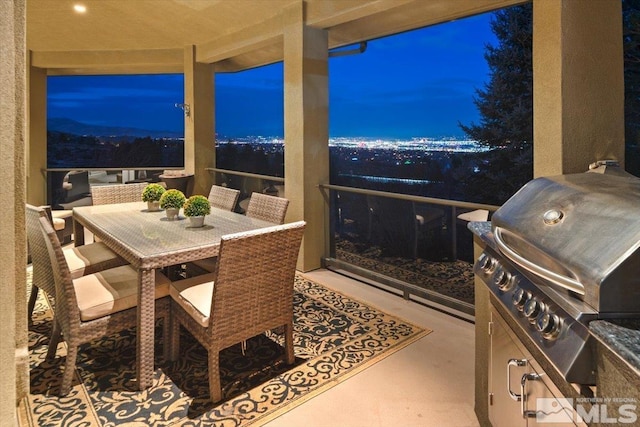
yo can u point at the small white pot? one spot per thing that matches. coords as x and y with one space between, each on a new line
196 221
172 213
153 206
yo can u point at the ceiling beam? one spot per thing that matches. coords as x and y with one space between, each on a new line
322 14
266 33
409 16
109 58
117 70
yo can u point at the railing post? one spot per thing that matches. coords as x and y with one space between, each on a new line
454 233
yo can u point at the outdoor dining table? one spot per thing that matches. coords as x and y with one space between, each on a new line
148 241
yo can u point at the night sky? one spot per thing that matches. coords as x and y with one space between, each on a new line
416 84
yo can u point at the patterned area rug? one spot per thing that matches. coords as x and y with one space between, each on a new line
335 338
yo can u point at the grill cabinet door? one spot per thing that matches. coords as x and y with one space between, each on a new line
509 361
503 410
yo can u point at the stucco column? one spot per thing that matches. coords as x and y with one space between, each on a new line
306 130
199 136
37 148
14 374
578 85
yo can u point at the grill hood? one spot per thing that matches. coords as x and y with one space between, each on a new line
579 233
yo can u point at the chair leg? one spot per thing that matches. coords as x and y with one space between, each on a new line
174 337
288 343
69 368
215 388
53 341
166 336
32 302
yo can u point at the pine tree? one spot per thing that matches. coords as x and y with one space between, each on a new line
506 102
631 40
506 109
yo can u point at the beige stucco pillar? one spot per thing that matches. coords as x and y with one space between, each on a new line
14 375
578 85
199 136
37 148
306 132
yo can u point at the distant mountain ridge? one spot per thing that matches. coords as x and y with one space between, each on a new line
77 128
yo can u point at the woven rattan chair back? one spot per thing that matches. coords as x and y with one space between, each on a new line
67 312
267 208
253 288
68 323
223 197
253 293
42 272
118 193
86 259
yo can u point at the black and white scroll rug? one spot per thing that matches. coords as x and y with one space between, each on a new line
335 338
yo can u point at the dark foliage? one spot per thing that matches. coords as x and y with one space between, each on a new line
66 150
506 102
631 31
506 108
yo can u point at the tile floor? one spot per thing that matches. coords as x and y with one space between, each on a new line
428 383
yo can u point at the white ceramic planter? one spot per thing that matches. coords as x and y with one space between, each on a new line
172 213
153 206
196 221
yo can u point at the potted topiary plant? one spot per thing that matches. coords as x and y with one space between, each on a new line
151 194
171 201
196 207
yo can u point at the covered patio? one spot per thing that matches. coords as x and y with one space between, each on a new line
578 97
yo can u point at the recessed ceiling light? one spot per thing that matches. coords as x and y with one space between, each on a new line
80 8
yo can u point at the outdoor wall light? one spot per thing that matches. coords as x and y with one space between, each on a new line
185 108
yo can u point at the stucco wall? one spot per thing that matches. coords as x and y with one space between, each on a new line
13 344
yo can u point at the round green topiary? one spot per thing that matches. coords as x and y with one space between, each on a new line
197 205
172 199
152 193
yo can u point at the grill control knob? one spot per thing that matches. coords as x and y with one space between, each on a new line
487 263
532 309
520 297
504 280
548 324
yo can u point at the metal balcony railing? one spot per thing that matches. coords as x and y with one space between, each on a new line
69 187
418 247
414 245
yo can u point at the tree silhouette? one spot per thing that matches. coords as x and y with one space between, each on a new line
631 40
506 108
506 102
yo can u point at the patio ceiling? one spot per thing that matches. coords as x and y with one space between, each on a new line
149 36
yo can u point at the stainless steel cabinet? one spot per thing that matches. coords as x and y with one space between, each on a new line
516 382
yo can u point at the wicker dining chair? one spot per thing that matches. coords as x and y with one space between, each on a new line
250 292
117 193
261 206
223 197
95 305
81 260
267 208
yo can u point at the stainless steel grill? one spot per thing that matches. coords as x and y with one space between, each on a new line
567 251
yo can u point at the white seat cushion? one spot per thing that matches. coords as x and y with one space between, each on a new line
112 290
79 257
58 223
62 214
194 295
61 218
